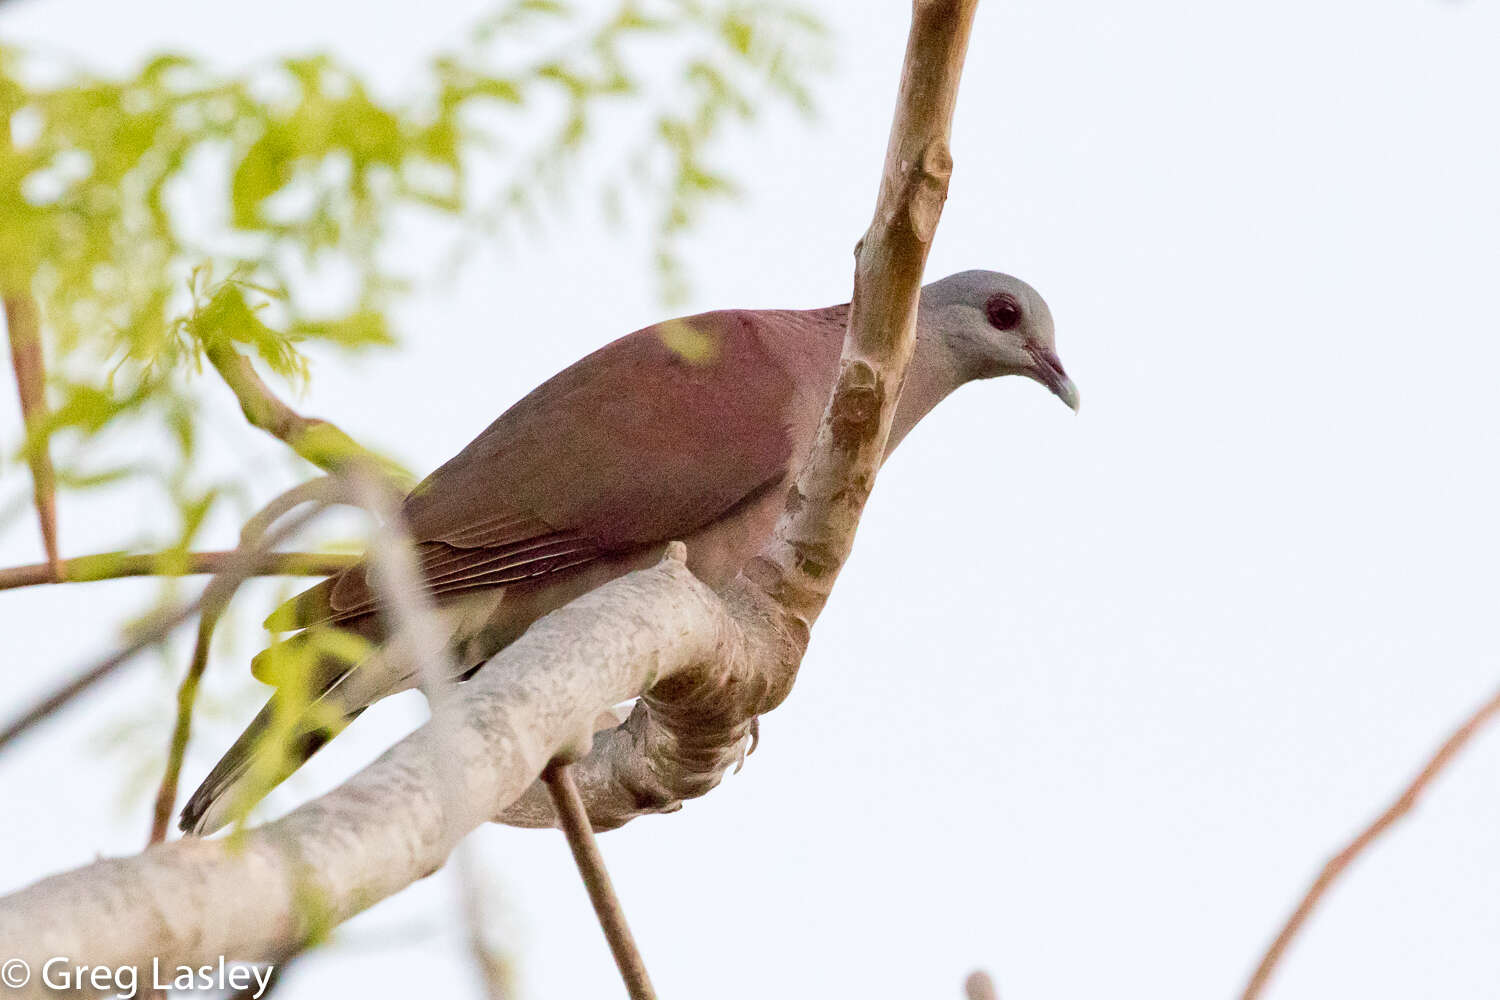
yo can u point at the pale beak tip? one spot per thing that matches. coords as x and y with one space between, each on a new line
1068 393
1048 370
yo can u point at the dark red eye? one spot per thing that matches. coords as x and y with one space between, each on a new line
1003 311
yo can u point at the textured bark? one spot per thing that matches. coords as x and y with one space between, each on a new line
814 536
688 729
705 665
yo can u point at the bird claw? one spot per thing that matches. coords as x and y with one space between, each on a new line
748 745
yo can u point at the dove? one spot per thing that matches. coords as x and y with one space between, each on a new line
693 429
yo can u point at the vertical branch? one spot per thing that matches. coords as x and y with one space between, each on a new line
23 322
814 535
574 819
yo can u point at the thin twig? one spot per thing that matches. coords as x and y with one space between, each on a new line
574 819
23 322
412 621
318 441
120 566
187 698
152 633
1336 865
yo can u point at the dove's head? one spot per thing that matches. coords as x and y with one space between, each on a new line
993 324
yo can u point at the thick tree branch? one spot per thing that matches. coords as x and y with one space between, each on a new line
121 565
815 534
687 731
1343 859
705 664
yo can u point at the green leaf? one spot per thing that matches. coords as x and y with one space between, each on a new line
360 329
264 169
228 316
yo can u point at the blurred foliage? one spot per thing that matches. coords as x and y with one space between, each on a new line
150 215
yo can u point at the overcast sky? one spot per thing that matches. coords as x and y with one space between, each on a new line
1097 695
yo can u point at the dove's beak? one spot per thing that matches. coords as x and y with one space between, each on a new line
1048 370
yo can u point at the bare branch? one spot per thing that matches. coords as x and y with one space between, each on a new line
815 534
1342 860
23 322
574 819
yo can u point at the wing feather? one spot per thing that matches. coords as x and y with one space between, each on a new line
634 445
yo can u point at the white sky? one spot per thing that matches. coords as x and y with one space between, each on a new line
1096 696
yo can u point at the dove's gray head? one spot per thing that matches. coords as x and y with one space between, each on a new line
993 324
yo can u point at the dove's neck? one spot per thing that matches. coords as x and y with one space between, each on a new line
932 375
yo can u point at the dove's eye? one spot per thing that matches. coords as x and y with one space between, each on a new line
1004 311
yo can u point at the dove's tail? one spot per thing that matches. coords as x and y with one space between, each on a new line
300 718
325 695
257 762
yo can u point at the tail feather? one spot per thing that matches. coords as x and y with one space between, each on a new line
334 691
256 763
